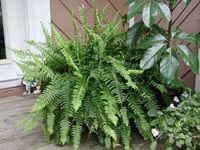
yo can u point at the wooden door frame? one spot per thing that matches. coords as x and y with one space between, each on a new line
20 24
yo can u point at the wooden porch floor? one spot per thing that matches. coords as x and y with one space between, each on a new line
15 108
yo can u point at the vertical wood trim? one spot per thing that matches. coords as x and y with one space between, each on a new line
37 13
6 33
132 20
197 81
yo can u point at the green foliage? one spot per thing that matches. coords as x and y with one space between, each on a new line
160 44
91 84
181 125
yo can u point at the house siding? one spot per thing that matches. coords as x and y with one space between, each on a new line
185 17
61 13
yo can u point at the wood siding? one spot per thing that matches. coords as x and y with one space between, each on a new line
61 11
185 17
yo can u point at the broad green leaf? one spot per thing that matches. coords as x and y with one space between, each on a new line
198 41
169 67
172 3
164 11
151 56
135 8
186 1
130 1
107 142
134 33
149 14
189 58
151 40
179 35
153 145
152 113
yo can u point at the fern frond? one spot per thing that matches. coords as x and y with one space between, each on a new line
46 98
103 121
143 127
76 28
110 106
68 58
48 38
64 130
124 116
124 73
46 71
108 142
107 129
83 17
59 40
79 91
46 133
65 102
139 115
149 98
52 57
22 54
97 39
50 94
64 48
76 134
104 12
125 135
50 118
30 122
159 86
135 105
89 110
116 87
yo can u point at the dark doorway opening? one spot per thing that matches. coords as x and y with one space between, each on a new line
2 40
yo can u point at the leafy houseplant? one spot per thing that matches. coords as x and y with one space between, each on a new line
162 46
161 49
90 84
181 125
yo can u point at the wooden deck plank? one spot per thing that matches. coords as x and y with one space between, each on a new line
16 108
16 98
53 147
8 146
11 106
10 99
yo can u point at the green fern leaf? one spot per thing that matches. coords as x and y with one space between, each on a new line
50 119
124 116
159 87
124 73
64 130
110 106
76 133
115 85
125 134
46 133
79 92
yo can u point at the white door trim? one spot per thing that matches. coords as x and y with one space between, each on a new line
197 81
22 21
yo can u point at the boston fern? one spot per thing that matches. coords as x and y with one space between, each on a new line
90 84
162 46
